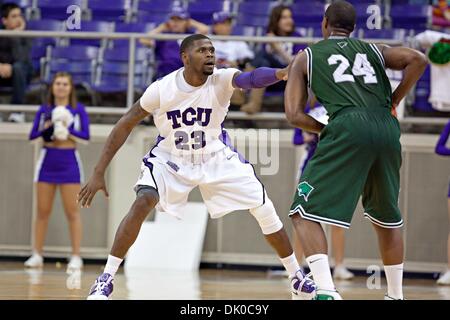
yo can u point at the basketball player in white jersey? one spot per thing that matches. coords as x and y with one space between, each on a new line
189 106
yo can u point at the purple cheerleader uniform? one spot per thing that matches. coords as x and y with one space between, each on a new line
441 149
57 165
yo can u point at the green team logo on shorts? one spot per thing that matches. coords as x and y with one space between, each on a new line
304 190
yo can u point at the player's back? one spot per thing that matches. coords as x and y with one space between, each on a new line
345 72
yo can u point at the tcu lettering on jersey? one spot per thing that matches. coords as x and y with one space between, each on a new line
188 117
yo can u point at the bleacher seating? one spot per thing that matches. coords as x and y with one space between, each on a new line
202 10
410 16
106 69
117 10
422 93
51 9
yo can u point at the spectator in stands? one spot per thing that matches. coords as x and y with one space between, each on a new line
229 53
59 122
443 150
437 46
441 14
15 56
274 55
310 140
168 52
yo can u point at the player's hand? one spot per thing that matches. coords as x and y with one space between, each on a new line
87 193
282 74
22 25
394 109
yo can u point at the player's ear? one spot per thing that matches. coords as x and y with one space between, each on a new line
184 57
324 22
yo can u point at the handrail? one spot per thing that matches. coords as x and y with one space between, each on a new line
232 115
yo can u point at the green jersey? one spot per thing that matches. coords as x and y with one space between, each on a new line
345 72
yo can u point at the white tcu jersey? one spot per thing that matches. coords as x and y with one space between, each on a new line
189 119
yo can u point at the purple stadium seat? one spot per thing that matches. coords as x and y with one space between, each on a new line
134 27
423 92
410 16
114 84
261 1
21 3
37 52
421 102
255 8
94 26
252 20
46 25
241 30
366 2
121 54
203 10
113 77
74 53
156 6
398 34
62 58
308 14
316 32
302 23
107 9
154 17
426 76
81 71
119 69
38 49
51 9
131 27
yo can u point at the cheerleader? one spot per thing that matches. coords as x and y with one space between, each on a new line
60 123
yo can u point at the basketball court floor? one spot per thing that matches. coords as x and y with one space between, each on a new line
52 282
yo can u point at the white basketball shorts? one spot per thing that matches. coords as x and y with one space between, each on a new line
226 181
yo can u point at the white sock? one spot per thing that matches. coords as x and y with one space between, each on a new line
112 265
320 268
37 253
290 263
394 278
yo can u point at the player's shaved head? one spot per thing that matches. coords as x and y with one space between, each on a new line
341 15
189 41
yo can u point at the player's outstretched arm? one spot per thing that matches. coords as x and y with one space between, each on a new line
259 78
411 61
296 97
116 139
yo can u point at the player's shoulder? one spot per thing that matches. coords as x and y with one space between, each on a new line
224 71
223 74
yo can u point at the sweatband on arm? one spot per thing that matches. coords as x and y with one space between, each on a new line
258 78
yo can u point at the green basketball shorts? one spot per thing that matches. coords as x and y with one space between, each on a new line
359 153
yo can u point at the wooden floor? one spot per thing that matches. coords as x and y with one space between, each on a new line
53 283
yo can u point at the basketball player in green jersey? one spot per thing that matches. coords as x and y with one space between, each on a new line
359 151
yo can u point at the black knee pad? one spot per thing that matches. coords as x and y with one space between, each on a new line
142 190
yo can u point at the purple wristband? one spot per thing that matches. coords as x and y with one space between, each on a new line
258 78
